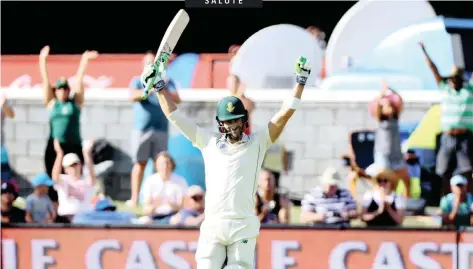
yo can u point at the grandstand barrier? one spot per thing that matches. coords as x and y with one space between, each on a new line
73 247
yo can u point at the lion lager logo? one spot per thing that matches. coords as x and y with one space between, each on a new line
230 107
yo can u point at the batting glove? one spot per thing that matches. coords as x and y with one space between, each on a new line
151 77
303 69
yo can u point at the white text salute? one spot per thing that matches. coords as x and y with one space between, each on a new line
232 162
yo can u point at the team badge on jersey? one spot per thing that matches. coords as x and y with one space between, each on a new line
221 145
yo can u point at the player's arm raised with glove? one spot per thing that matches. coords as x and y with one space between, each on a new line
279 121
188 128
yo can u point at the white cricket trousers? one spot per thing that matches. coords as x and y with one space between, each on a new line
234 239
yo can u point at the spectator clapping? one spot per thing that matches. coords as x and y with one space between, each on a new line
381 205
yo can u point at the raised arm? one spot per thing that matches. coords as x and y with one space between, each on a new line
387 91
5 106
48 93
279 121
431 64
188 128
79 89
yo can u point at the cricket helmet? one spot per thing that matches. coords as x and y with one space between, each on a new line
231 108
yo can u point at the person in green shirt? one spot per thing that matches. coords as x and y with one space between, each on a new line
456 141
64 109
457 206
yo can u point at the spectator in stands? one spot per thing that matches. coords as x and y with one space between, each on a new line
387 145
425 184
150 134
238 89
456 141
319 36
53 195
39 208
271 207
164 191
105 212
75 189
6 111
382 206
10 213
328 204
457 206
192 213
276 161
64 110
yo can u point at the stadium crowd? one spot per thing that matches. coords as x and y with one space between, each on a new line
399 185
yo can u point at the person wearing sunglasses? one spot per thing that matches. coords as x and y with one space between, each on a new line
193 212
64 109
382 206
457 206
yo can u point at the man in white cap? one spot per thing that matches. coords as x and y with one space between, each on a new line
457 206
328 204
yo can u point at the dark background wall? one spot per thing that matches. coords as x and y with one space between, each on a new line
133 27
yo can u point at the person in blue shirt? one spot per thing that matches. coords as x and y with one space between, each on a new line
105 212
457 206
150 134
193 212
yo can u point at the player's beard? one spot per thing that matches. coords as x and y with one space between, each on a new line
235 133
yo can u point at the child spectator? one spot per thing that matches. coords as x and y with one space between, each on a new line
457 206
39 208
10 213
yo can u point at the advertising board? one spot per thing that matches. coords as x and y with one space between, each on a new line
75 248
107 71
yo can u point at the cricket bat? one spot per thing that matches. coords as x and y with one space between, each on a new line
169 41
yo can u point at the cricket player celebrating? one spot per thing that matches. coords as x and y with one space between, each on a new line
232 162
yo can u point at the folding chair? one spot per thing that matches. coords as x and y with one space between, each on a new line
361 148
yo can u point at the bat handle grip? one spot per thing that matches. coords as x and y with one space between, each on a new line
145 94
146 91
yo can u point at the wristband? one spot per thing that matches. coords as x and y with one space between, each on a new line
292 103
